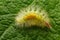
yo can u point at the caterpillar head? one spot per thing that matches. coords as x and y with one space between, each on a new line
32 16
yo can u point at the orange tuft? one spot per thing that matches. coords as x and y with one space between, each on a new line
30 16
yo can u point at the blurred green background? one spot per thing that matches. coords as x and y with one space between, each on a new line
9 10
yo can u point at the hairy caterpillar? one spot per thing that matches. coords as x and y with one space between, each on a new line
32 16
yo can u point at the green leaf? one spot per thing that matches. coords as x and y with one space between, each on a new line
9 10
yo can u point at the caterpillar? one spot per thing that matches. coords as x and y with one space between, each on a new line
32 16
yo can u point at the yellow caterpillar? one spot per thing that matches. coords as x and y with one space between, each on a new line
32 16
